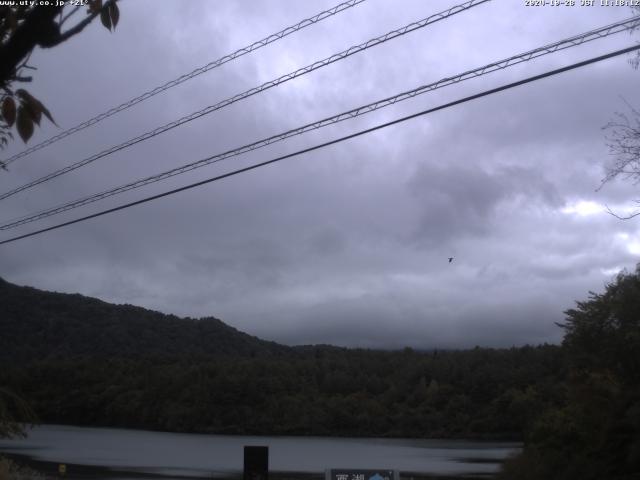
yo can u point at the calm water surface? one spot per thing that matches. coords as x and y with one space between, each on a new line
190 455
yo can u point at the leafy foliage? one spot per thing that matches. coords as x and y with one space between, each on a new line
595 434
10 470
313 391
14 414
24 26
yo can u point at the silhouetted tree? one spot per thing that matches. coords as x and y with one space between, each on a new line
23 27
596 434
623 140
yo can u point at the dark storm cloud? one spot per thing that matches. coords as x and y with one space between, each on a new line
347 245
463 199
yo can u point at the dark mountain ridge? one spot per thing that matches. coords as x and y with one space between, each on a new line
39 325
81 361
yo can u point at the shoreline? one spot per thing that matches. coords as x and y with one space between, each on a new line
495 438
95 472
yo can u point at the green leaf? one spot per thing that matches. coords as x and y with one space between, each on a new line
9 110
23 94
24 124
105 18
47 114
34 106
34 109
114 13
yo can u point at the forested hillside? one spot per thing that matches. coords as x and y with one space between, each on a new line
82 361
478 393
39 325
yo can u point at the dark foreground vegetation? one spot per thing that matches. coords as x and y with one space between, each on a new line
81 361
595 433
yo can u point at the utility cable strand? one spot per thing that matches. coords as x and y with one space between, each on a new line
253 91
188 76
362 110
331 142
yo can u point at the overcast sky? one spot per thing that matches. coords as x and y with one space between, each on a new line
347 245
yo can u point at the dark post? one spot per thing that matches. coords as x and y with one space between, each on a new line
256 463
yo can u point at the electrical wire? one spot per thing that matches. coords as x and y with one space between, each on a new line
188 76
371 107
253 91
331 142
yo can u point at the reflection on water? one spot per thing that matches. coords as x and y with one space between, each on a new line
190 455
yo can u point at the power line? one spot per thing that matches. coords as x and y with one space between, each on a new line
332 142
248 93
371 107
188 76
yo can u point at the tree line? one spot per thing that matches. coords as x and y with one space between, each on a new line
576 406
314 391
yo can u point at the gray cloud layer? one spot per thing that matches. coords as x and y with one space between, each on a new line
347 245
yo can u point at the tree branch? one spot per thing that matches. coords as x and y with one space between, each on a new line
66 17
619 217
37 27
81 25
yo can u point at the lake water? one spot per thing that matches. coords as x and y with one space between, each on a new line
131 453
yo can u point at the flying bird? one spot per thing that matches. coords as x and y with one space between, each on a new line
450 259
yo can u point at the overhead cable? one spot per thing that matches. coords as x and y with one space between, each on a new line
331 142
248 93
188 76
371 107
